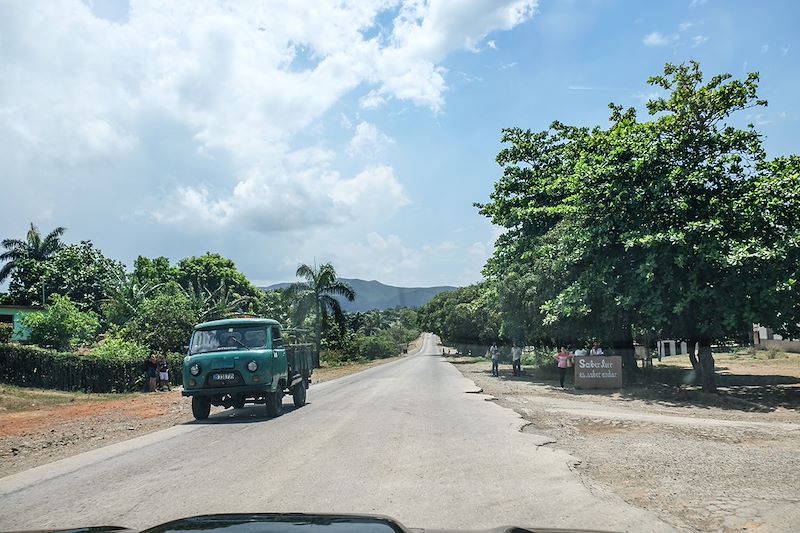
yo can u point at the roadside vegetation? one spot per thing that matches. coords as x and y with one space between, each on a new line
100 321
674 227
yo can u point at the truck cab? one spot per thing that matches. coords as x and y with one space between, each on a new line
236 361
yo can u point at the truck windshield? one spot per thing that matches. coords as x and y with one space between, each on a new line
228 338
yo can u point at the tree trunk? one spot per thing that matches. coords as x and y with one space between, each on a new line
709 376
626 349
692 347
317 334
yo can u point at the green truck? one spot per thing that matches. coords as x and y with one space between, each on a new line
245 360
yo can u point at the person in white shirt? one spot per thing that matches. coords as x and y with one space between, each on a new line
494 352
516 359
581 352
596 350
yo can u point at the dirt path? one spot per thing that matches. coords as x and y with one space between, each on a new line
43 434
717 469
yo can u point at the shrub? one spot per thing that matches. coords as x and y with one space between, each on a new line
6 330
119 349
540 360
62 325
375 347
338 357
116 368
773 352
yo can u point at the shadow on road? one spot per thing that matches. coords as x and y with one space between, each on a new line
249 414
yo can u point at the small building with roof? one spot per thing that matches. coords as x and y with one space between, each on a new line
15 314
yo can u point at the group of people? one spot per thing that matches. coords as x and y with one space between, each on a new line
516 359
564 359
156 374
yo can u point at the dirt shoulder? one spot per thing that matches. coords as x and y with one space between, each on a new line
713 468
40 426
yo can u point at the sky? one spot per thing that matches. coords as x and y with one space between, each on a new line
358 132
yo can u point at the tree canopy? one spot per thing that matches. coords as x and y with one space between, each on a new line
677 225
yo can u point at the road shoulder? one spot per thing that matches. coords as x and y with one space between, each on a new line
710 468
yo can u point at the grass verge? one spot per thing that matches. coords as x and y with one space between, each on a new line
15 399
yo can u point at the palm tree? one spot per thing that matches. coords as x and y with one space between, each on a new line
316 295
33 247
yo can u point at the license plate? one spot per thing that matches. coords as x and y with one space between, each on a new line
223 377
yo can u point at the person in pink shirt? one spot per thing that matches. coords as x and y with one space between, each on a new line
564 360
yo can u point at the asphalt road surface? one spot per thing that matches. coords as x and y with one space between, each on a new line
405 439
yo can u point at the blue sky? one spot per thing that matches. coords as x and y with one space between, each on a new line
361 133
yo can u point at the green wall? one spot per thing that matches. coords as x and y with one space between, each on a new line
21 333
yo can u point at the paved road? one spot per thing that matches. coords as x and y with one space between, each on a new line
403 439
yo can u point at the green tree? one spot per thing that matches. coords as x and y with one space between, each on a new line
164 323
156 271
125 297
277 305
644 226
468 315
209 272
215 304
316 297
32 248
62 325
78 271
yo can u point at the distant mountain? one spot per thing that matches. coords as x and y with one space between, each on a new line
375 295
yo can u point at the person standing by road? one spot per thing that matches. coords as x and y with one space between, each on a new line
516 359
494 352
150 373
163 375
564 360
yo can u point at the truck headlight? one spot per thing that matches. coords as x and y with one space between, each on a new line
194 369
252 366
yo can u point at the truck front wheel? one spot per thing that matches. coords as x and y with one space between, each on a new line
275 403
299 393
201 407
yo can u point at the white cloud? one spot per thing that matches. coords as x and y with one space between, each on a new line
655 39
387 257
368 141
785 49
696 3
764 48
167 120
205 99
492 45
697 40
372 100
683 26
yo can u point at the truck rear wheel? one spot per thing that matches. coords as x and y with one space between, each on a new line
275 403
299 393
201 407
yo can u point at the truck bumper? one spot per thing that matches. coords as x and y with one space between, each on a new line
246 390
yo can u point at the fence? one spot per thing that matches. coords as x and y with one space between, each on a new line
27 366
